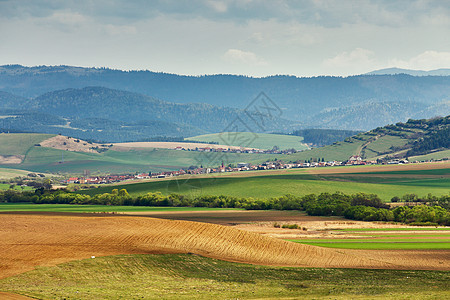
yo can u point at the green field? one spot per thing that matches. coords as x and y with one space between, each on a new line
20 143
252 140
381 244
8 207
295 182
194 277
383 239
6 173
435 155
6 186
382 145
48 160
340 151
397 229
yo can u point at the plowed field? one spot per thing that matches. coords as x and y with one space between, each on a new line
27 241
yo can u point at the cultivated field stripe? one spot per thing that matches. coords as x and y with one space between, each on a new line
27 241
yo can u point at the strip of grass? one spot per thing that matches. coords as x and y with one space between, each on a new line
270 186
95 208
396 229
5 186
380 245
411 239
195 277
443 235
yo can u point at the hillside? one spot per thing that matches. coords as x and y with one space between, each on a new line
303 100
104 114
412 138
253 140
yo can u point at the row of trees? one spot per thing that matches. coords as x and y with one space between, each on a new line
360 206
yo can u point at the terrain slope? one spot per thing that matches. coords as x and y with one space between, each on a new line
30 240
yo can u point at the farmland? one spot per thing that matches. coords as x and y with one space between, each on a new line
10 173
146 257
5 207
252 140
175 276
49 160
388 239
20 143
379 180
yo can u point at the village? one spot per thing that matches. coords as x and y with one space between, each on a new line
240 167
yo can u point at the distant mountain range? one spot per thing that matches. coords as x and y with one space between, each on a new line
102 101
395 71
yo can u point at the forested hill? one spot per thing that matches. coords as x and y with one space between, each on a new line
412 138
104 114
323 102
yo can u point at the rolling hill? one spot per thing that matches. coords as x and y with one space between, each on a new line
253 140
409 139
103 114
303 100
415 139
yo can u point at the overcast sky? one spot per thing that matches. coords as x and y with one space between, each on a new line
250 37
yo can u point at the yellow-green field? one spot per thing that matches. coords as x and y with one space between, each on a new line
252 140
387 239
195 277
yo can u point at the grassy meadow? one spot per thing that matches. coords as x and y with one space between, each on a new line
186 276
252 140
48 160
9 207
340 151
20 143
431 238
297 182
6 173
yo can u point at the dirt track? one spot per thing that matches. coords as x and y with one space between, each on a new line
27 241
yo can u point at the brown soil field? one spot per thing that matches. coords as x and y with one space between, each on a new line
30 240
67 143
235 217
169 145
262 222
11 159
9 296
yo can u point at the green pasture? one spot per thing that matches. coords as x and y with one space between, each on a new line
430 244
20 143
145 160
435 155
6 173
6 186
385 240
397 229
252 140
441 235
288 183
340 151
9 207
383 144
42 159
184 276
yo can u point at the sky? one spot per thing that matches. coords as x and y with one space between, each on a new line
247 37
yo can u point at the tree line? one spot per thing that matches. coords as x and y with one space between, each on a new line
431 210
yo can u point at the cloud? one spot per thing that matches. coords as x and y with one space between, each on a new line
428 60
330 13
354 58
243 57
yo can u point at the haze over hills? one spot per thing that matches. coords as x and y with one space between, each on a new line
111 115
394 71
319 102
